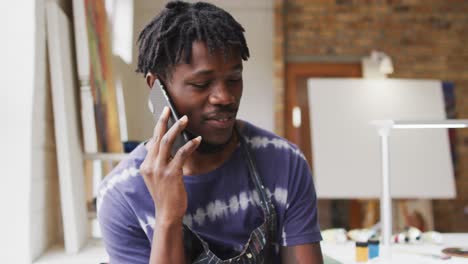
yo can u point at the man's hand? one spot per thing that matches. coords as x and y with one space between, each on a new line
163 174
164 179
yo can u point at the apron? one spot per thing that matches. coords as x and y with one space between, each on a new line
259 247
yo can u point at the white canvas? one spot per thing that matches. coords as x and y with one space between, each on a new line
88 121
69 151
346 149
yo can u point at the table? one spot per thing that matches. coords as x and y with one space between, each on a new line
402 253
94 253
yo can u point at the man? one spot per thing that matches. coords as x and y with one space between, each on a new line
234 193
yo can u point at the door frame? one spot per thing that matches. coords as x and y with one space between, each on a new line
296 72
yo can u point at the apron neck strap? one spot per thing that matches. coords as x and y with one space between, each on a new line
255 176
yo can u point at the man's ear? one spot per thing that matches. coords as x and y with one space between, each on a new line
150 79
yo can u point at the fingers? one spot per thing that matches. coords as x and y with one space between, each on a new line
163 139
184 152
168 139
158 132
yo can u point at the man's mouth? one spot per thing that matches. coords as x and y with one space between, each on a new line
221 120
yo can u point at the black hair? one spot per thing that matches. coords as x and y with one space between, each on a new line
168 38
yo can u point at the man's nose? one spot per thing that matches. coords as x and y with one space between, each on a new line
221 94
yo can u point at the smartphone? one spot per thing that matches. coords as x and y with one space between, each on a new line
158 99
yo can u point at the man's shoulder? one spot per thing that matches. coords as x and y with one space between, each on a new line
124 178
261 139
250 131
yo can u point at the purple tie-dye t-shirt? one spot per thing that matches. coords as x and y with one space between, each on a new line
223 206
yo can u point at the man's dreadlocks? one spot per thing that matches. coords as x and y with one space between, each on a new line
168 38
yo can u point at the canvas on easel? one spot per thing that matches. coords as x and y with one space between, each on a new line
346 147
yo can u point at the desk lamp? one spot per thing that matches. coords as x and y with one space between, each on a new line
384 127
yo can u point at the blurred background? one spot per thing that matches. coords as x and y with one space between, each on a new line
73 100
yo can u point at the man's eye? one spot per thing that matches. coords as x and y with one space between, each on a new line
201 85
235 79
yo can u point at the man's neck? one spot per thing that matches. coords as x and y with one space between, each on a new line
200 163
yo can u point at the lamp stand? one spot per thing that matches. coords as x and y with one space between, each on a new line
385 200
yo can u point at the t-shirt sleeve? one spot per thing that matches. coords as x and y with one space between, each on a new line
301 217
123 237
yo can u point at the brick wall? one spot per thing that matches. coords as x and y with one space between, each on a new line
425 39
279 65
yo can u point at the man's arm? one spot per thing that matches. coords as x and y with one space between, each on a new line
167 243
302 254
301 232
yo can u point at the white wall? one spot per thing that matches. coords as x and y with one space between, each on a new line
139 121
29 195
257 104
17 94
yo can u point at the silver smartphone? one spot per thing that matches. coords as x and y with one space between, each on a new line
158 99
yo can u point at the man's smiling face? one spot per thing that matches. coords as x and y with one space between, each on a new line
208 91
